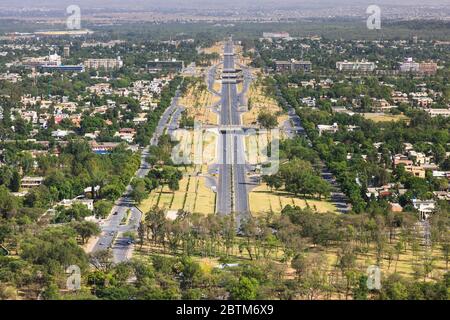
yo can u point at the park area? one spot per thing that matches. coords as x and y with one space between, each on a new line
383 117
263 200
259 101
193 196
198 102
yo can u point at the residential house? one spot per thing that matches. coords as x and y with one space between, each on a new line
327 128
31 182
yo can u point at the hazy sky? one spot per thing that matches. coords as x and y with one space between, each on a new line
211 3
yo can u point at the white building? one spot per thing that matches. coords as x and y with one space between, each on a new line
89 203
409 66
328 128
107 64
276 35
360 66
61 133
425 207
31 182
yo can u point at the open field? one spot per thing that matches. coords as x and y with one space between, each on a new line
193 195
257 145
196 146
217 86
259 102
263 200
404 264
246 61
198 101
381 117
239 87
216 48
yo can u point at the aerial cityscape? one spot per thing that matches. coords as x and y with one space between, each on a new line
207 150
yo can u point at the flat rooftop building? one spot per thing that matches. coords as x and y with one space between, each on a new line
165 65
355 66
276 35
63 68
107 64
293 66
31 182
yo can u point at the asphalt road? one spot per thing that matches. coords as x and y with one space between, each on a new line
232 187
113 227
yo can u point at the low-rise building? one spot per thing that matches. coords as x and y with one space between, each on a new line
428 68
126 134
63 68
103 147
31 182
100 88
61 133
310 102
50 60
89 203
276 35
107 64
438 112
423 68
417 171
409 66
293 66
327 128
395 207
355 66
442 195
441 174
165 65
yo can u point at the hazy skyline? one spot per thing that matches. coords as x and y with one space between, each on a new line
207 4
231 10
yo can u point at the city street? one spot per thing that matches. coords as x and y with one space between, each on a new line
232 187
112 229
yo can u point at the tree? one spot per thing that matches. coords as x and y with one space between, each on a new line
267 120
190 271
51 292
361 291
86 229
7 292
141 233
112 191
76 212
8 203
245 289
445 248
53 250
174 184
300 265
155 220
103 208
139 191
102 260
273 181
394 288
96 174
399 247
6 175
38 197
15 181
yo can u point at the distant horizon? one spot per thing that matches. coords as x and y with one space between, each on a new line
111 11
211 4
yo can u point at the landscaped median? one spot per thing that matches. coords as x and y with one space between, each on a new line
193 196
